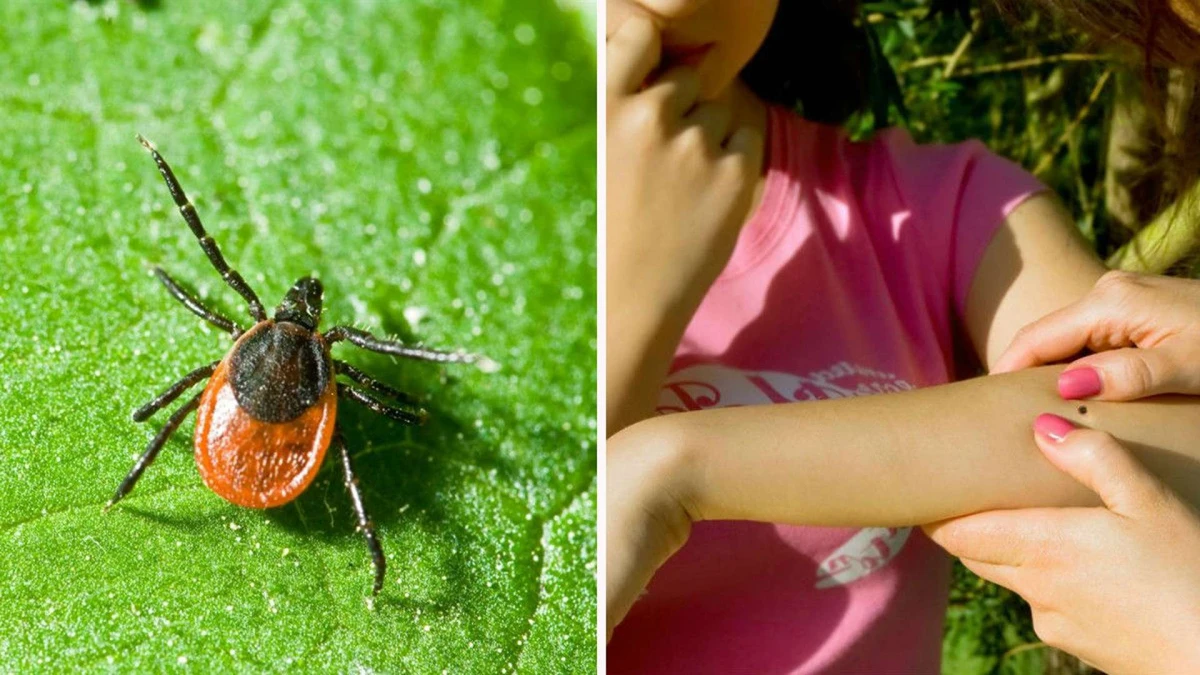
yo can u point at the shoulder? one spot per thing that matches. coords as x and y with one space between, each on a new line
960 191
936 175
944 175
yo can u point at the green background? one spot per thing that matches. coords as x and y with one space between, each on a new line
433 163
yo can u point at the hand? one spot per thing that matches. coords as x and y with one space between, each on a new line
680 182
1151 324
660 10
680 175
645 520
1118 586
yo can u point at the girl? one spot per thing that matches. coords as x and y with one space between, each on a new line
761 258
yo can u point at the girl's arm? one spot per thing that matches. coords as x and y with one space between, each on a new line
899 459
930 454
895 459
1036 263
681 179
890 460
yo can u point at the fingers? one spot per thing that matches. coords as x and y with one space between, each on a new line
1129 374
746 146
675 92
996 537
1003 575
1115 313
633 52
713 119
1054 337
1123 311
1103 465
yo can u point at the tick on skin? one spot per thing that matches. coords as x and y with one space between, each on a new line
268 414
1082 409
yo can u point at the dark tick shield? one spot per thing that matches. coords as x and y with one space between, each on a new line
268 414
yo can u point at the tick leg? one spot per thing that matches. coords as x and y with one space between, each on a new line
152 450
375 406
190 216
367 341
195 306
360 512
371 383
172 392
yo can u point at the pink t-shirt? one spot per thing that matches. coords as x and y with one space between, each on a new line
848 280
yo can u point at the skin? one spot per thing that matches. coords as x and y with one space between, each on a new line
733 29
1139 552
691 214
911 458
664 474
1146 330
663 113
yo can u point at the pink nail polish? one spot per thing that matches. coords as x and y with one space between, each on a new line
1079 383
1053 427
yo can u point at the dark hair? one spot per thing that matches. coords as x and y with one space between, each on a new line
808 33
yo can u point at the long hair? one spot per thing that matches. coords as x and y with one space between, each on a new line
1166 49
1151 28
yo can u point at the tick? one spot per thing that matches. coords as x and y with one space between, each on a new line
268 414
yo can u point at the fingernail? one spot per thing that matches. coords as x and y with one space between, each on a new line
1079 383
1053 427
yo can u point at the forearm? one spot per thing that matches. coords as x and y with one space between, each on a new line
908 458
641 343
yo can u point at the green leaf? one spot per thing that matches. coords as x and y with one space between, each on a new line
433 163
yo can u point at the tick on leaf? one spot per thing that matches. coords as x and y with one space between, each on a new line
268 414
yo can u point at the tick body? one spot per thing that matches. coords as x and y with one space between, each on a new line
268 414
266 417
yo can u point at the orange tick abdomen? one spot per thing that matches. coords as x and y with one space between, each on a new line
256 463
